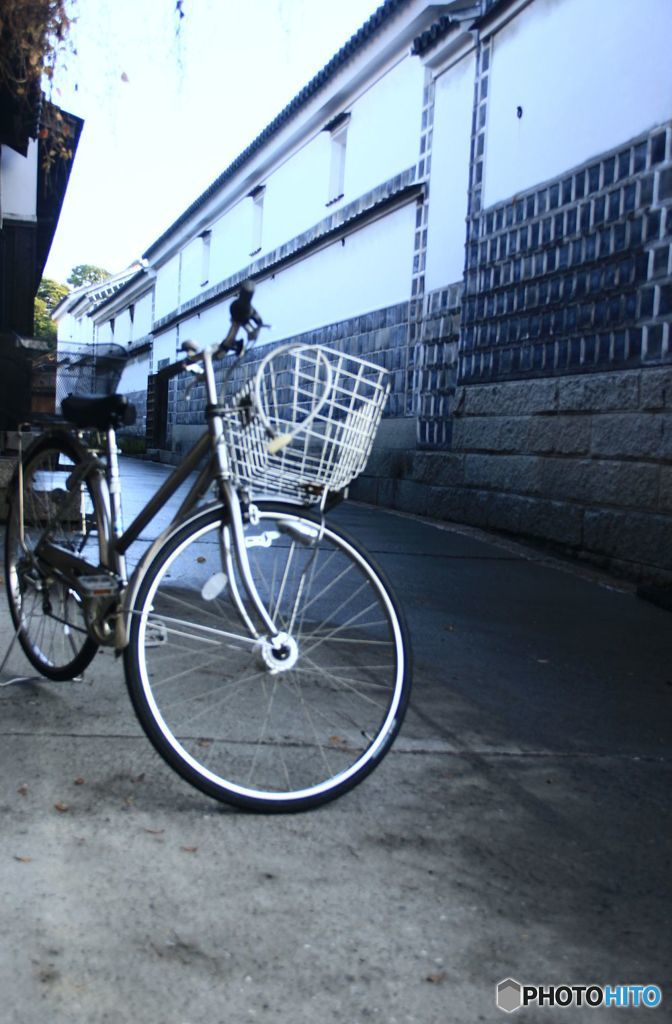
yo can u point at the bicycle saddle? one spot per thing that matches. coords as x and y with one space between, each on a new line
100 413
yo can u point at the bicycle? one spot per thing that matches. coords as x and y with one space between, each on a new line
265 655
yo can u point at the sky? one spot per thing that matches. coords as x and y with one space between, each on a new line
166 112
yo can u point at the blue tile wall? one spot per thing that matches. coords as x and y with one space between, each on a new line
574 276
380 337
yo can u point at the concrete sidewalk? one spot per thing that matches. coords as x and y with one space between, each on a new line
520 827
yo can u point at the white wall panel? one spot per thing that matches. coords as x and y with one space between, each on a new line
167 287
588 74
384 130
134 377
370 271
453 103
18 183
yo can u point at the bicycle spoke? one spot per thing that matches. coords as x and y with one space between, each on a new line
293 719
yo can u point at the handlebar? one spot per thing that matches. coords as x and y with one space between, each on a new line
243 314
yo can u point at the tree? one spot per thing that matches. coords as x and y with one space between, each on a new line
86 273
33 39
49 294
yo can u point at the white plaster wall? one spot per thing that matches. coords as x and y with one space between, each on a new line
207 327
164 347
383 139
18 183
231 241
104 332
453 102
142 323
589 74
68 328
384 130
297 193
167 287
123 328
134 377
192 265
370 271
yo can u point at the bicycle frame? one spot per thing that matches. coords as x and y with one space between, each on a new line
114 542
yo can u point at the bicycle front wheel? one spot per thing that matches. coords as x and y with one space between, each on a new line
58 508
273 725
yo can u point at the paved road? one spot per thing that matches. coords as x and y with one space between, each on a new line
520 827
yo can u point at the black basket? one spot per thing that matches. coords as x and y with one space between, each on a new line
93 370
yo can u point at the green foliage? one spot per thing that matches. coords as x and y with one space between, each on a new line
43 326
51 292
87 273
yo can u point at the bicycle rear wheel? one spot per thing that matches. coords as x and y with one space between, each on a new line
272 727
46 612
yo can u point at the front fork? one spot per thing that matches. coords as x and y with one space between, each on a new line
232 539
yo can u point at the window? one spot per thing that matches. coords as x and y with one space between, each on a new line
338 129
205 257
257 197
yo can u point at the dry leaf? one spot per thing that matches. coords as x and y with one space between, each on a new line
154 831
23 860
23 790
79 781
61 807
189 849
437 978
201 559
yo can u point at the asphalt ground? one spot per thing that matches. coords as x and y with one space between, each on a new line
520 828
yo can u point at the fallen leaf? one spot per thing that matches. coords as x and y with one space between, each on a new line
189 849
154 831
437 978
201 559
23 790
204 743
23 860
79 781
61 807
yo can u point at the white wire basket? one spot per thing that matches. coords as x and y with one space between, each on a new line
305 423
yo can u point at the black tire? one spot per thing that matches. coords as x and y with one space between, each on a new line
268 731
45 611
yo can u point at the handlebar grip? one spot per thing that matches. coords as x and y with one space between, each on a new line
241 307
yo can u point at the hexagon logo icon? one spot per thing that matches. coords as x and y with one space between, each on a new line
509 995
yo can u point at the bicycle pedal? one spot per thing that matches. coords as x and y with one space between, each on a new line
99 585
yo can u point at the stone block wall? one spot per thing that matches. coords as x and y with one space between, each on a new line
583 464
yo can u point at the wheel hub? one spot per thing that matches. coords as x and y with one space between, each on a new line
279 653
